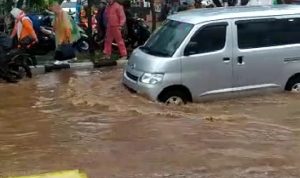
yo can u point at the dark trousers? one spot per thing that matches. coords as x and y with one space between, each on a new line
68 53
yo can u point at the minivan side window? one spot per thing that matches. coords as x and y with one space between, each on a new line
209 39
265 33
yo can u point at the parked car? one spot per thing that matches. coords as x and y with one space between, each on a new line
203 54
69 6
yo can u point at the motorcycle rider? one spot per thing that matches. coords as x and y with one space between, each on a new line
116 20
23 29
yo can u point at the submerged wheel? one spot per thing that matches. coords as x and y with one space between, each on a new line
293 85
175 97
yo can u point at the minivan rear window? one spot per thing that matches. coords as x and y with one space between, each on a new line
257 34
165 41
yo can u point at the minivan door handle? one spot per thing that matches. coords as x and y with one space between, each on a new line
226 59
240 60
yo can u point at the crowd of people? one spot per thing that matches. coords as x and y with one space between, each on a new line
111 21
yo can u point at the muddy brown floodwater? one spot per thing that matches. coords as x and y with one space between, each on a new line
88 120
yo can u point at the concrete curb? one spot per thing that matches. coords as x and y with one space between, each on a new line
42 69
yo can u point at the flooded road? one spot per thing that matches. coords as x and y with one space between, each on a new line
89 121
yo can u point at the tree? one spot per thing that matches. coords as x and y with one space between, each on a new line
32 4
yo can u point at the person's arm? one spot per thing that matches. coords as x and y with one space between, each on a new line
121 15
14 32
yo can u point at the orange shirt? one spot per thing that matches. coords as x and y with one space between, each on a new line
27 29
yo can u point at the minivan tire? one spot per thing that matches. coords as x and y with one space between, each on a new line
293 85
174 97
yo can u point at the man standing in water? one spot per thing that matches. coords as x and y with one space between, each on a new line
116 20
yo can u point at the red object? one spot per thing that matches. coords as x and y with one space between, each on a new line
115 20
114 33
115 15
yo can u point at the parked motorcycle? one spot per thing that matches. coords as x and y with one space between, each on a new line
82 45
138 32
19 63
46 41
135 34
14 62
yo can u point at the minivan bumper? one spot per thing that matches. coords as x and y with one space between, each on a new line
149 91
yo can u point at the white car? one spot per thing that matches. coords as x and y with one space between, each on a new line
69 6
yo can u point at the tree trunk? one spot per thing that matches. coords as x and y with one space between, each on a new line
153 13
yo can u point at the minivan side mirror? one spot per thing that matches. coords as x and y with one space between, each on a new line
191 49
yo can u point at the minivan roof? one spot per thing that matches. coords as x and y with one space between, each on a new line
197 16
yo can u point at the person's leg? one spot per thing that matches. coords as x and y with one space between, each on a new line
108 41
59 58
119 40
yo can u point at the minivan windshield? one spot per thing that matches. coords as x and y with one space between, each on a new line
165 41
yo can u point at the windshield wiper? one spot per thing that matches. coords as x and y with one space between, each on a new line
153 52
160 53
145 48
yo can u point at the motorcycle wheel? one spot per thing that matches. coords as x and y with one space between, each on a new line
20 67
83 46
98 42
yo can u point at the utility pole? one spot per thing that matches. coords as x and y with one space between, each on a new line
90 30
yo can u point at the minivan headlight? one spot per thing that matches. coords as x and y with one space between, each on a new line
152 79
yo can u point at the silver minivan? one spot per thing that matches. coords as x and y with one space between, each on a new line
207 53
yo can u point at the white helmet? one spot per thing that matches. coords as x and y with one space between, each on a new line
15 12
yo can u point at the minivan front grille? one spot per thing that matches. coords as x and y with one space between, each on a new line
132 77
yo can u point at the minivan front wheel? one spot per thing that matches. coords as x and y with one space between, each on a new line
294 85
296 88
174 98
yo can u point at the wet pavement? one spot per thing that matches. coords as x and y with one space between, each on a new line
88 120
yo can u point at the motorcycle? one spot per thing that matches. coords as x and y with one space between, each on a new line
82 45
138 32
43 26
46 41
135 34
15 63
19 63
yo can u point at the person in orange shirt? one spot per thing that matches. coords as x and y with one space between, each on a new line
23 28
